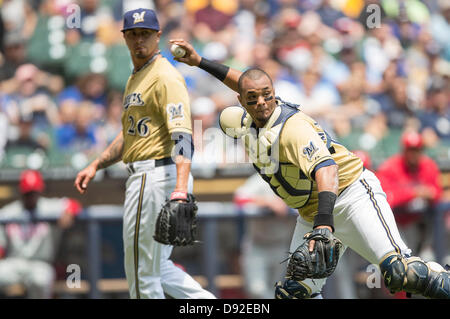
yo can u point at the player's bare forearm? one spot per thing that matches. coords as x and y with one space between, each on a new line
183 169
327 179
193 58
328 186
112 154
232 79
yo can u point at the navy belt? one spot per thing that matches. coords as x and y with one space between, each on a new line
159 162
164 161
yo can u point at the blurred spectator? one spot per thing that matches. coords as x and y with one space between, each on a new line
328 13
436 118
396 103
91 87
18 16
26 141
267 236
440 26
411 181
31 112
81 135
379 47
289 47
317 97
93 14
28 247
208 148
112 124
215 14
14 55
33 97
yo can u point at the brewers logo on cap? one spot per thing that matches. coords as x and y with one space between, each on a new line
140 18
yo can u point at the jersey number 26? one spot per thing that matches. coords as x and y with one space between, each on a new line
139 126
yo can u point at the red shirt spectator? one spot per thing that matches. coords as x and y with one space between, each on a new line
410 180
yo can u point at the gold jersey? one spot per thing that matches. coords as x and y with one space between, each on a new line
288 150
156 104
304 144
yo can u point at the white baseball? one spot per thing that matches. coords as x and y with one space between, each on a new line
177 51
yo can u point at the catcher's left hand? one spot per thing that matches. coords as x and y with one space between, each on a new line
177 223
321 262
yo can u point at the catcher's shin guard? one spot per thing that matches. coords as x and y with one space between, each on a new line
415 276
292 289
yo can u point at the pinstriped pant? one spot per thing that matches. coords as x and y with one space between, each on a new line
363 221
148 269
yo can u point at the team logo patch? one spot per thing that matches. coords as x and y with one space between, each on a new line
138 17
309 151
133 99
175 111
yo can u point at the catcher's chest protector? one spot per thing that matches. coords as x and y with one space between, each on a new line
287 180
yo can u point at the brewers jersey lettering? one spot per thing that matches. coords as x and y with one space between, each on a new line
156 104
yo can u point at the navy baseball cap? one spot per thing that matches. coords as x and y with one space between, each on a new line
140 18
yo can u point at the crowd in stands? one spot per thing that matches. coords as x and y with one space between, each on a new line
366 70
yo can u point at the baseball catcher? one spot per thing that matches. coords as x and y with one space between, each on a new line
177 223
320 262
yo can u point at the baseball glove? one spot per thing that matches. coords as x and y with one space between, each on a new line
321 262
177 223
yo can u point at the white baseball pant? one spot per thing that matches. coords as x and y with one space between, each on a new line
363 221
148 269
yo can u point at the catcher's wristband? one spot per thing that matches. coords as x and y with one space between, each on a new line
178 196
220 71
324 215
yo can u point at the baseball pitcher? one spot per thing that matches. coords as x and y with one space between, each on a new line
156 145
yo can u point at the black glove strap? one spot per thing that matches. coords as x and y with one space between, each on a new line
220 71
324 215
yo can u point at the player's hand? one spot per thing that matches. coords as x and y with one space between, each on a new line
84 177
312 242
191 57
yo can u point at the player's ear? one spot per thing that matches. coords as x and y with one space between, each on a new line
240 99
158 37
